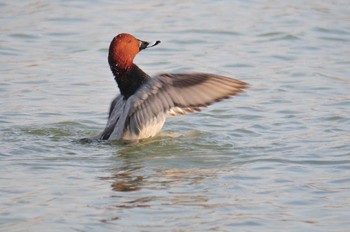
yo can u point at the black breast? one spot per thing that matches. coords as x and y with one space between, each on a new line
131 80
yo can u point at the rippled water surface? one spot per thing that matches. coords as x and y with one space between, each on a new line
276 158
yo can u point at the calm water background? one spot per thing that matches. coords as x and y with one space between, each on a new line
276 158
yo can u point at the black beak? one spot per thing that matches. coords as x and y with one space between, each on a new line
144 44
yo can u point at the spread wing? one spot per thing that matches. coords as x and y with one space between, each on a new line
177 94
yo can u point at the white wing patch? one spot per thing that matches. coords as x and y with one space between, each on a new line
175 111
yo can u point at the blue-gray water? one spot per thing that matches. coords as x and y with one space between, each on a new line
276 158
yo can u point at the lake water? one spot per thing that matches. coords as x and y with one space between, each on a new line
276 158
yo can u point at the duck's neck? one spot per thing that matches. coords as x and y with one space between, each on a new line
129 80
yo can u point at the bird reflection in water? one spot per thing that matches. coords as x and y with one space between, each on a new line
125 182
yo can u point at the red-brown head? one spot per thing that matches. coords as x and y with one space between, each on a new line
123 49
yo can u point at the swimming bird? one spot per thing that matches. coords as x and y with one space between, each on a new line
141 108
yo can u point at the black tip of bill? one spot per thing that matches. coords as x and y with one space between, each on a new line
154 44
144 44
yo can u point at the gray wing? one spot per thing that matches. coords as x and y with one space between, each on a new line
115 112
113 103
177 94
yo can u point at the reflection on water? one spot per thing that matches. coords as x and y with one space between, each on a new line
273 159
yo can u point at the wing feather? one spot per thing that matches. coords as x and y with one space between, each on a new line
177 94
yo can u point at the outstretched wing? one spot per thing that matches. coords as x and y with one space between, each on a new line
177 93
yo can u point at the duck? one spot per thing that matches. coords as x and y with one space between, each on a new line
140 110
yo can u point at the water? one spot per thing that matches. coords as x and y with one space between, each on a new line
276 158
